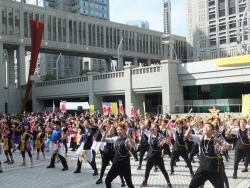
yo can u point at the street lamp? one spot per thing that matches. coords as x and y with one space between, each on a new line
243 31
57 65
69 71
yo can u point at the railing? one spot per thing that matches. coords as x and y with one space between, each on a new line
105 76
198 108
145 70
63 81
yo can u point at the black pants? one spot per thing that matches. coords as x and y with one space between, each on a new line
106 158
176 154
143 150
63 160
238 155
8 152
134 153
194 151
200 177
29 153
167 150
117 169
92 163
156 161
65 145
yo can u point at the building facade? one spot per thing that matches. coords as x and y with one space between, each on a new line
139 23
213 28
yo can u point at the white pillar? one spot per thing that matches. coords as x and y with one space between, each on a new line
135 62
94 99
37 105
130 96
172 92
2 78
11 64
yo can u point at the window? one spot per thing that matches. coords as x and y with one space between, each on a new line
232 10
242 9
96 6
232 25
222 27
213 29
233 38
211 3
212 42
223 41
97 14
92 12
212 16
92 5
222 13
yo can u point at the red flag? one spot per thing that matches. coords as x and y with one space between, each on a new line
36 28
132 110
104 108
121 109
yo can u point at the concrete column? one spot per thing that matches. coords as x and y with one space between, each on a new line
21 65
2 78
149 62
172 92
11 64
107 65
135 62
94 99
130 96
120 64
37 105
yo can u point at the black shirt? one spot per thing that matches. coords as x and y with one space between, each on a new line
121 154
88 143
242 141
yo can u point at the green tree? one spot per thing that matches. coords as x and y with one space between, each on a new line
84 72
48 77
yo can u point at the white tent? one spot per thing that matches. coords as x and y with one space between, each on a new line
74 105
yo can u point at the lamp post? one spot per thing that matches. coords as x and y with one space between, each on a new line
57 65
243 31
118 53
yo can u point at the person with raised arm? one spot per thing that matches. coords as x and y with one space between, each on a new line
156 142
109 150
210 156
121 162
180 146
242 147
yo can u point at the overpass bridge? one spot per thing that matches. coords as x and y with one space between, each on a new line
167 79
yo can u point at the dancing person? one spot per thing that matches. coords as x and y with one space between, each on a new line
121 161
242 145
56 145
108 152
180 146
210 157
25 144
156 142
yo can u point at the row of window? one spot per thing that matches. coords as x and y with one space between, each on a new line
93 13
93 5
232 10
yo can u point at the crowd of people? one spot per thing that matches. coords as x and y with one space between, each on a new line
118 138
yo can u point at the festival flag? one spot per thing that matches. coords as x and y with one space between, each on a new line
91 109
54 107
121 109
132 110
109 108
63 106
104 108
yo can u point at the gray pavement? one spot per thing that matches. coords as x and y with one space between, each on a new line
39 176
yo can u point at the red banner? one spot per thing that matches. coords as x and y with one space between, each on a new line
121 109
132 110
36 28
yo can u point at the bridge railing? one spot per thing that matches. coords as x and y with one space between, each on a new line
145 70
105 76
63 81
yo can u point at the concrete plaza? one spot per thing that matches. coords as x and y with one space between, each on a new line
39 176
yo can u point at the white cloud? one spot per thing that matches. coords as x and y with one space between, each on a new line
122 11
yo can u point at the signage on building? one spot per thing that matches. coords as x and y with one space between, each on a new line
236 60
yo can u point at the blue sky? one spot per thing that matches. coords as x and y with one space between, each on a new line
151 10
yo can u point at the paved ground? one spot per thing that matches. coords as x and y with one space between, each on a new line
18 176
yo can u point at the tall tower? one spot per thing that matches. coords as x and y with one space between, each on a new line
167 16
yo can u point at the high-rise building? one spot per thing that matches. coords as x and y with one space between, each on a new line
139 23
167 16
213 28
94 8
